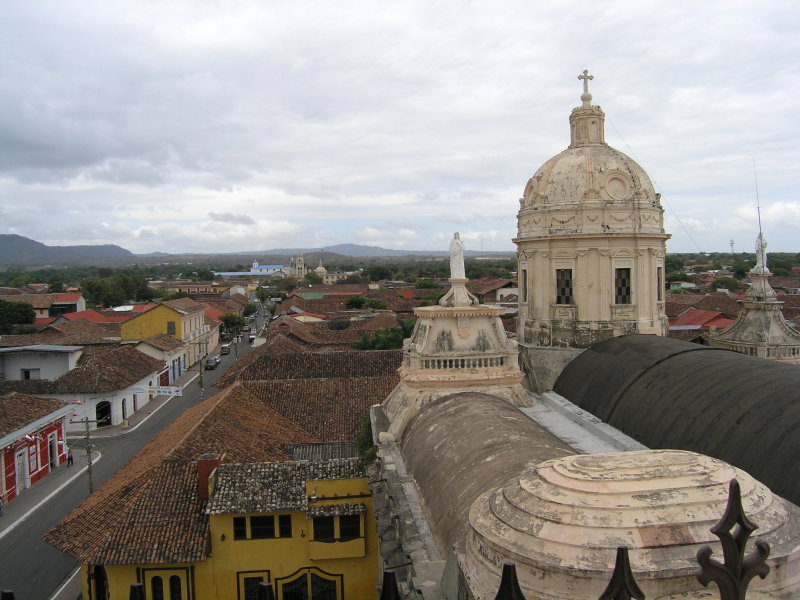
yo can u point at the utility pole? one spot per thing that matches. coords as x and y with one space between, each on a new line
733 258
89 447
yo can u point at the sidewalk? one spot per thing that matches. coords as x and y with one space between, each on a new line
31 499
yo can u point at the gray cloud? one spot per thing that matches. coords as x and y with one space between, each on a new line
231 218
125 118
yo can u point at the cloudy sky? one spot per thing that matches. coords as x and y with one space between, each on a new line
231 126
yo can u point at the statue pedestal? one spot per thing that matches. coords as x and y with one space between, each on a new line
458 294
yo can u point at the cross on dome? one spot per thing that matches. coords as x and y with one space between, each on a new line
586 97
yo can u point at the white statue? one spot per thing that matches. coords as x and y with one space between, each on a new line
457 258
761 254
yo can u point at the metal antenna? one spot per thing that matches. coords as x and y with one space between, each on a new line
758 200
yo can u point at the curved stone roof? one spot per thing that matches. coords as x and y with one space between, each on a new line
465 444
562 522
671 394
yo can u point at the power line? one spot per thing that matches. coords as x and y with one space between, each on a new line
655 184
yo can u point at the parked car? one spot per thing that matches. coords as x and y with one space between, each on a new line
225 349
211 363
246 328
252 338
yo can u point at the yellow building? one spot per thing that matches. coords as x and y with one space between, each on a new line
190 523
182 319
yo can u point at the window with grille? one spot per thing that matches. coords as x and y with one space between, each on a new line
285 526
349 527
564 286
323 529
239 528
262 527
622 286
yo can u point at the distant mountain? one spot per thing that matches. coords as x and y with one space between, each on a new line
19 251
361 251
105 251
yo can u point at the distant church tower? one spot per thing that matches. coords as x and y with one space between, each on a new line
298 266
760 329
590 243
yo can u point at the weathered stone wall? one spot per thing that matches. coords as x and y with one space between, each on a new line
543 365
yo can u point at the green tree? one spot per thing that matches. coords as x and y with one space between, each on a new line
249 310
426 284
378 272
355 302
13 314
312 278
233 323
354 278
204 275
673 263
728 283
375 303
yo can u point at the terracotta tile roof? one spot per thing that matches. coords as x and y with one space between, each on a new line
675 309
316 365
325 335
148 511
184 305
35 300
321 450
243 428
690 335
44 320
331 303
700 319
70 333
96 317
484 286
784 282
330 408
163 342
70 298
100 369
212 312
18 410
270 487
240 299
683 298
719 303
275 343
9 291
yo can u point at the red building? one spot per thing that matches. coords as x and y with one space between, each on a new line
32 441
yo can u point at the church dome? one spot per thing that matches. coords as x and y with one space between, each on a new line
562 521
590 171
590 187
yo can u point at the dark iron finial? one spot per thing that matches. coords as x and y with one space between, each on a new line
733 531
509 584
265 591
389 589
622 585
6 595
137 591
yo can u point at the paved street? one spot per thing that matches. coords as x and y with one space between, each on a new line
33 569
